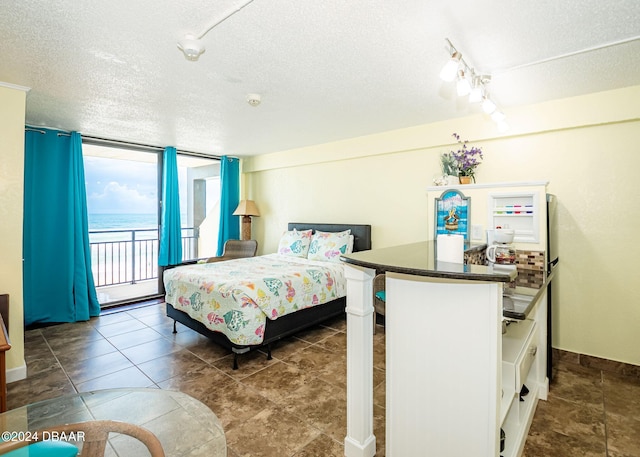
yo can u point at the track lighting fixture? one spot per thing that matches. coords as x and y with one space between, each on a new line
475 89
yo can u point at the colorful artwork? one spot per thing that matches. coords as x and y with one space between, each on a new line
452 214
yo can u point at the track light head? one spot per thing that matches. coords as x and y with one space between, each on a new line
503 126
488 106
450 69
477 90
498 116
463 87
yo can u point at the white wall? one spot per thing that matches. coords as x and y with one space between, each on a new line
587 147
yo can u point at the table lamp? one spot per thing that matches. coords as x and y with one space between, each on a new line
246 209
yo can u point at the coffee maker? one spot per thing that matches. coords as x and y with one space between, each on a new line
501 253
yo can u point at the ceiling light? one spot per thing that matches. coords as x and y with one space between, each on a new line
463 86
192 47
475 96
450 69
488 106
498 116
476 88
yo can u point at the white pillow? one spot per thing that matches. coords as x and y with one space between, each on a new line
329 246
295 243
350 245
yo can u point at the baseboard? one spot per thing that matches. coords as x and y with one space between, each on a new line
590 361
17 374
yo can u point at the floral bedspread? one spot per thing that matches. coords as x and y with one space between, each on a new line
236 297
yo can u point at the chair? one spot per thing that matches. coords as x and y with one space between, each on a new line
236 249
379 297
92 434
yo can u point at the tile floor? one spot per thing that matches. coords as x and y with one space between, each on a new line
294 405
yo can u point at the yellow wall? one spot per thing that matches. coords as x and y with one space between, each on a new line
586 147
12 117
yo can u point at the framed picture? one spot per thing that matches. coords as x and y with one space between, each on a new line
452 214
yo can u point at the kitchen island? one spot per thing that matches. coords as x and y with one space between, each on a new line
453 380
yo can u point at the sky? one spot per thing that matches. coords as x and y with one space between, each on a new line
123 186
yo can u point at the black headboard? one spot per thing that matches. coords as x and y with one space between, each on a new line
361 233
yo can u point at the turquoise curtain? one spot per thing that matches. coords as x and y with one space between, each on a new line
170 228
58 282
229 199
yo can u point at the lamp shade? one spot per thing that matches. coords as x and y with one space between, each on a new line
463 86
488 106
247 208
450 69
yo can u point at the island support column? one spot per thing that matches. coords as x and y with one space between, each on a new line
360 440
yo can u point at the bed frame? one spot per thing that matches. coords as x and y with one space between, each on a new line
290 323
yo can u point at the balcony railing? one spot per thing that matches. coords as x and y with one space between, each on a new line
129 256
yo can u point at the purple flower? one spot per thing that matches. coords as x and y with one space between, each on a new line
467 160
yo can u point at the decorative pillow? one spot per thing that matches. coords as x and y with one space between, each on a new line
295 243
350 245
329 246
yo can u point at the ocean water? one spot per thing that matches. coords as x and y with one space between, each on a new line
122 221
125 247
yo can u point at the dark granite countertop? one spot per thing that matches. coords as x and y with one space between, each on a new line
419 259
517 302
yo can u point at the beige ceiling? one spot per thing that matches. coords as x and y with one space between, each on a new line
325 69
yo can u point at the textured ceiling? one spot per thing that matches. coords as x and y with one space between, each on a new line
326 70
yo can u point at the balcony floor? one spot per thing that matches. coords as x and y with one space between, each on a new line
108 295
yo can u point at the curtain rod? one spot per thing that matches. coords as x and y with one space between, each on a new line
139 146
126 144
29 129
33 129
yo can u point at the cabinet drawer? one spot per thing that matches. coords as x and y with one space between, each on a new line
519 349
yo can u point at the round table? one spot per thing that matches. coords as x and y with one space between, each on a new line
184 425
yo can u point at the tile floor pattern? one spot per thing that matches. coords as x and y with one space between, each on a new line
295 404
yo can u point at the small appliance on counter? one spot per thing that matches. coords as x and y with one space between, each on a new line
501 253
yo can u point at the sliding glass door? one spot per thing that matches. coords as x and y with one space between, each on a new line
123 206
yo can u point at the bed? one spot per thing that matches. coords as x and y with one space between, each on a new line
246 304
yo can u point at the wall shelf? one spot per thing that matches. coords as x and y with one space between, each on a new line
489 185
518 211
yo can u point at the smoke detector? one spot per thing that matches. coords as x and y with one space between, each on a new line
192 47
253 99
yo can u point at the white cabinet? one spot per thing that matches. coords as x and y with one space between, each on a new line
523 364
517 205
517 211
